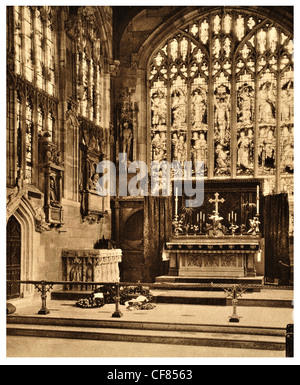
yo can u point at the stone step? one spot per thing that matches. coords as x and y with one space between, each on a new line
166 280
194 337
146 325
261 299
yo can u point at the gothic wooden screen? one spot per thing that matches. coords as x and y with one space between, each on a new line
221 91
13 256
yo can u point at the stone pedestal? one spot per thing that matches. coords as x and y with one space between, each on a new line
90 265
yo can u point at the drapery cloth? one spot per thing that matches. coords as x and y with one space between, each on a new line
276 233
157 231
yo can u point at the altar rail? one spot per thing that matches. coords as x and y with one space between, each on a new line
87 265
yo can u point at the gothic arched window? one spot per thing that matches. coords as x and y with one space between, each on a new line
221 91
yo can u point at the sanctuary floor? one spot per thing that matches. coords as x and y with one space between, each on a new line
164 314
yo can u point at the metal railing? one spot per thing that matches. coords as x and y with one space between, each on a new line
233 291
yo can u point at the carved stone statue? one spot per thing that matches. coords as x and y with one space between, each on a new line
126 139
53 194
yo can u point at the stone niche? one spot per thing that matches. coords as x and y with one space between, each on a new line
92 142
51 175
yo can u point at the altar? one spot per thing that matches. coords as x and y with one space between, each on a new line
202 256
222 237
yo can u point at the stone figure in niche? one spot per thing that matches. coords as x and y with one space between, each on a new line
287 105
199 148
126 139
178 109
94 181
221 159
199 108
54 202
267 105
159 109
243 151
222 117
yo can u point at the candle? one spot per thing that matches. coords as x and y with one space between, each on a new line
197 218
176 201
232 215
235 217
203 217
229 217
257 192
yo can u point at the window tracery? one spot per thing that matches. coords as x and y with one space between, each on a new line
217 88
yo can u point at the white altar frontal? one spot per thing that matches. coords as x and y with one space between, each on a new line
90 265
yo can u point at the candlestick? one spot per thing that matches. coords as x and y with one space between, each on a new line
176 201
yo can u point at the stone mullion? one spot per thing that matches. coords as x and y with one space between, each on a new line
278 121
256 110
169 106
188 135
35 44
89 89
23 48
233 140
46 59
79 79
210 114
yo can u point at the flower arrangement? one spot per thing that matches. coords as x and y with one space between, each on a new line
137 297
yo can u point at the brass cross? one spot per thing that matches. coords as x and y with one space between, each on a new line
216 201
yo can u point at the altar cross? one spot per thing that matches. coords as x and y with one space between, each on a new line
216 201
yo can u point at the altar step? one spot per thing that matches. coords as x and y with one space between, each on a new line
264 298
167 280
244 337
188 297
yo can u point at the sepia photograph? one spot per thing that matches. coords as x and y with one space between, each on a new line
149 184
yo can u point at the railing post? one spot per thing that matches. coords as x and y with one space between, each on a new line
289 338
117 313
42 288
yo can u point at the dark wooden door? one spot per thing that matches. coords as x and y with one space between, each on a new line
13 257
132 244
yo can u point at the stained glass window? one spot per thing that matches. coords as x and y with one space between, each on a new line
217 88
